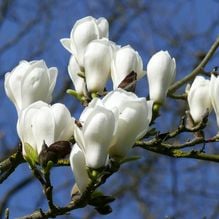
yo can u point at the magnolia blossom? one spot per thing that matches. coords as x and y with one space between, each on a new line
29 82
214 91
133 117
97 62
125 60
161 71
94 136
73 70
40 122
198 98
83 32
78 165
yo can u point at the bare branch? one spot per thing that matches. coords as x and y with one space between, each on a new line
197 70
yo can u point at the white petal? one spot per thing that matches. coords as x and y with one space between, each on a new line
103 27
125 60
132 122
199 99
97 62
149 110
24 128
73 70
117 98
53 73
98 130
64 124
86 112
66 42
122 141
15 82
161 70
25 123
83 33
78 165
34 86
214 89
8 89
43 126
79 138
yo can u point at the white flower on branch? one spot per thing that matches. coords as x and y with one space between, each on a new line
73 70
94 135
78 165
29 82
83 32
97 63
199 99
133 117
41 122
214 91
125 60
161 71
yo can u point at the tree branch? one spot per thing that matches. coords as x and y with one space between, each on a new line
8 165
197 70
77 202
174 150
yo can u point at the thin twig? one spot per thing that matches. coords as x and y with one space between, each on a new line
197 70
177 153
48 188
8 165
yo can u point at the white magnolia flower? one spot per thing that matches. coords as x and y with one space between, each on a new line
125 60
161 71
29 82
83 32
73 70
198 98
214 91
78 165
41 122
97 63
133 117
95 135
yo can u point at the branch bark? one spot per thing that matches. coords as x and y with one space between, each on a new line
8 165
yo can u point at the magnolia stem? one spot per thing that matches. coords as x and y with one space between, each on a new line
48 188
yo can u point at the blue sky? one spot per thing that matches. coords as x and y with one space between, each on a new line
162 26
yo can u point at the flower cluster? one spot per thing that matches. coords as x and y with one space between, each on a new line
109 126
98 58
